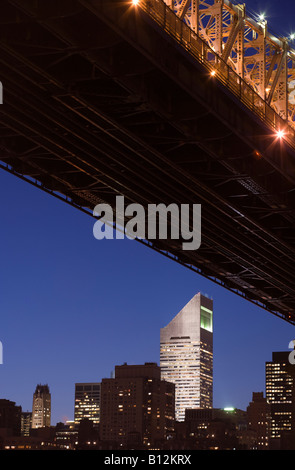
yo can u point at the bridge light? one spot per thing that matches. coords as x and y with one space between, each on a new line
257 154
135 2
261 17
280 134
292 36
213 73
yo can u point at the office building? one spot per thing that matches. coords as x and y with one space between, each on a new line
87 402
186 355
66 435
258 414
26 423
279 383
217 428
137 407
41 412
10 418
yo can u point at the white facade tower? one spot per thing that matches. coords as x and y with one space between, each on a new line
186 355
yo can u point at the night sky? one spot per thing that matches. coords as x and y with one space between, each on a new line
73 307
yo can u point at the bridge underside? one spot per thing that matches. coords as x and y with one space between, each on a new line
100 102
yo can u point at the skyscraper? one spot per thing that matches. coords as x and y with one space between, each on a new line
26 423
137 407
87 402
258 414
280 388
186 355
41 413
10 417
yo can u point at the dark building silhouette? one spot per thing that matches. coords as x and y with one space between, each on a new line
26 423
137 407
66 435
258 415
217 429
10 418
87 433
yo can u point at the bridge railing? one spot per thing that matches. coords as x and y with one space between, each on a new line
201 51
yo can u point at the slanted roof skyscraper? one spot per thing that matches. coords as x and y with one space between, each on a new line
186 355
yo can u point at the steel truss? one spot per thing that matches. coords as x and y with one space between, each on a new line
266 62
99 101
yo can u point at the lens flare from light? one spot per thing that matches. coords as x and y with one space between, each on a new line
261 17
280 134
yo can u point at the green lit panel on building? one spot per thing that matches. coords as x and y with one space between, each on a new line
206 319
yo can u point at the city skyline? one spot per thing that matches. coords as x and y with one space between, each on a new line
72 307
62 360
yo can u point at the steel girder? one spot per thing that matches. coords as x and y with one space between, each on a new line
266 62
100 101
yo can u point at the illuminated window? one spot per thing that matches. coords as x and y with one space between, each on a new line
206 319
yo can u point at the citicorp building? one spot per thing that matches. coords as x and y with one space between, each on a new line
186 355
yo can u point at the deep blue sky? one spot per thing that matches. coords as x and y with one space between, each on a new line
73 307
